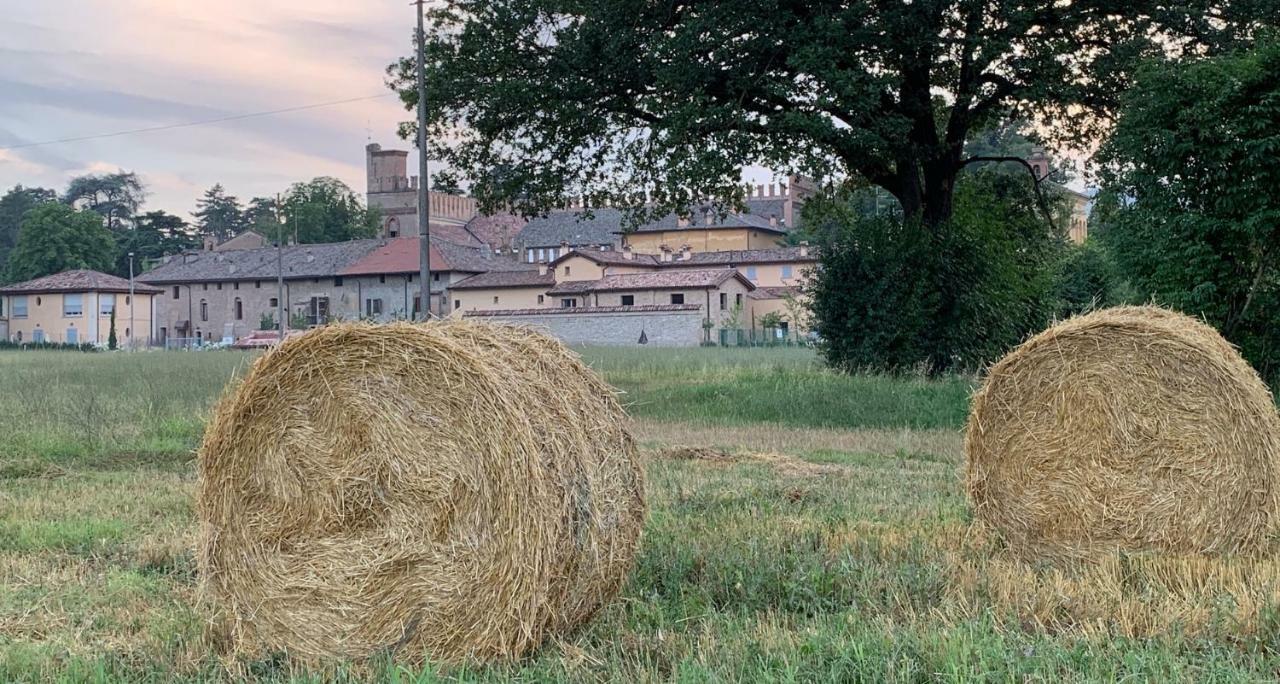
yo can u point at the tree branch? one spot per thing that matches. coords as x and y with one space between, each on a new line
1035 180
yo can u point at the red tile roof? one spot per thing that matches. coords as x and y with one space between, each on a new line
400 255
657 280
776 255
548 311
774 292
80 280
500 279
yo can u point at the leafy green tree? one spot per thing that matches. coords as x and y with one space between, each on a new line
260 216
55 237
625 102
114 196
447 182
219 215
13 206
1085 279
939 300
155 234
1194 154
112 342
326 210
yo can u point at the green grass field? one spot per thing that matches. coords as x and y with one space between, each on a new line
835 546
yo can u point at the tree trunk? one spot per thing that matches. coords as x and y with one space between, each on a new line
926 197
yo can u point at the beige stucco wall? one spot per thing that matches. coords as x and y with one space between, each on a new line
734 291
759 307
700 240
578 268
507 298
45 313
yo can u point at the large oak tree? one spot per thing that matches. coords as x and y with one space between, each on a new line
621 100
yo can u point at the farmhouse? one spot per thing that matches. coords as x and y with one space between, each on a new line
75 307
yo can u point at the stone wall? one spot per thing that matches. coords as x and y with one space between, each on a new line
663 326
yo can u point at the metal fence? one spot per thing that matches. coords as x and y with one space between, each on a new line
762 337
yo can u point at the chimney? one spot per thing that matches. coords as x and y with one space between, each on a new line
310 257
773 220
709 217
564 247
685 254
209 243
666 253
804 248
682 222
626 253
542 268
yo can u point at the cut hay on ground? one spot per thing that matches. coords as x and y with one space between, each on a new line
448 491
1130 428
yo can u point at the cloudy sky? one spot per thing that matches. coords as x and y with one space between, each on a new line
88 67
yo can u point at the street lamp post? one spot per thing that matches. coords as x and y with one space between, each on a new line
424 198
129 341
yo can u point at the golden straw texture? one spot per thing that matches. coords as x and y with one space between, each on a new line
448 491
1130 428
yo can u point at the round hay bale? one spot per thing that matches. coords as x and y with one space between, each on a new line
448 491
1130 428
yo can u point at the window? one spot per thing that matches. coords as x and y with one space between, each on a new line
274 302
417 304
204 286
786 271
677 298
204 310
751 273
540 299
457 303
737 299
106 304
37 336
411 277
528 255
318 310
235 285
337 281
127 301
219 286
568 303
175 291
435 277
495 299
373 307
39 302
239 309
566 270
20 307
257 284
628 300
382 279
724 301
72 305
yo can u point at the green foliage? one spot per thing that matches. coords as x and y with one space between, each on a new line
260 216
267 321
1085 279
219 215
112 342
326 210
116 197
154 234
892 294
771 320
55 237
46 346
627 102
1194 154
13 206
298 320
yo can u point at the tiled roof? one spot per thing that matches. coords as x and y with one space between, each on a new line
657 280
604 226
300 261
612 256
773 292
642 308
499 279
496 230
725 258
80 280
400 255
452 232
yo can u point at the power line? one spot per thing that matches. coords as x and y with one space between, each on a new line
204 122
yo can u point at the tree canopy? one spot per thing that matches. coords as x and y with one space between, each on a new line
114 196
55 237
1194 216
13 206
628 101
326 210
155 234
219 215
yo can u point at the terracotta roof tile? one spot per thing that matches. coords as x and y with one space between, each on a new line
551 311
400 255
499 279
80 280
657 280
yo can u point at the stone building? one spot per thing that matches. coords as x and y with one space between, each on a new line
394 193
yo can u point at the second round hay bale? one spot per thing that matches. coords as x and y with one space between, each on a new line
447 491
1131 428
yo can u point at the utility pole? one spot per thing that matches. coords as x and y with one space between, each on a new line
424 201
281 323
129 341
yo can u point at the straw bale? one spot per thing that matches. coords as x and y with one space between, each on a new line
449 491
1132 428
